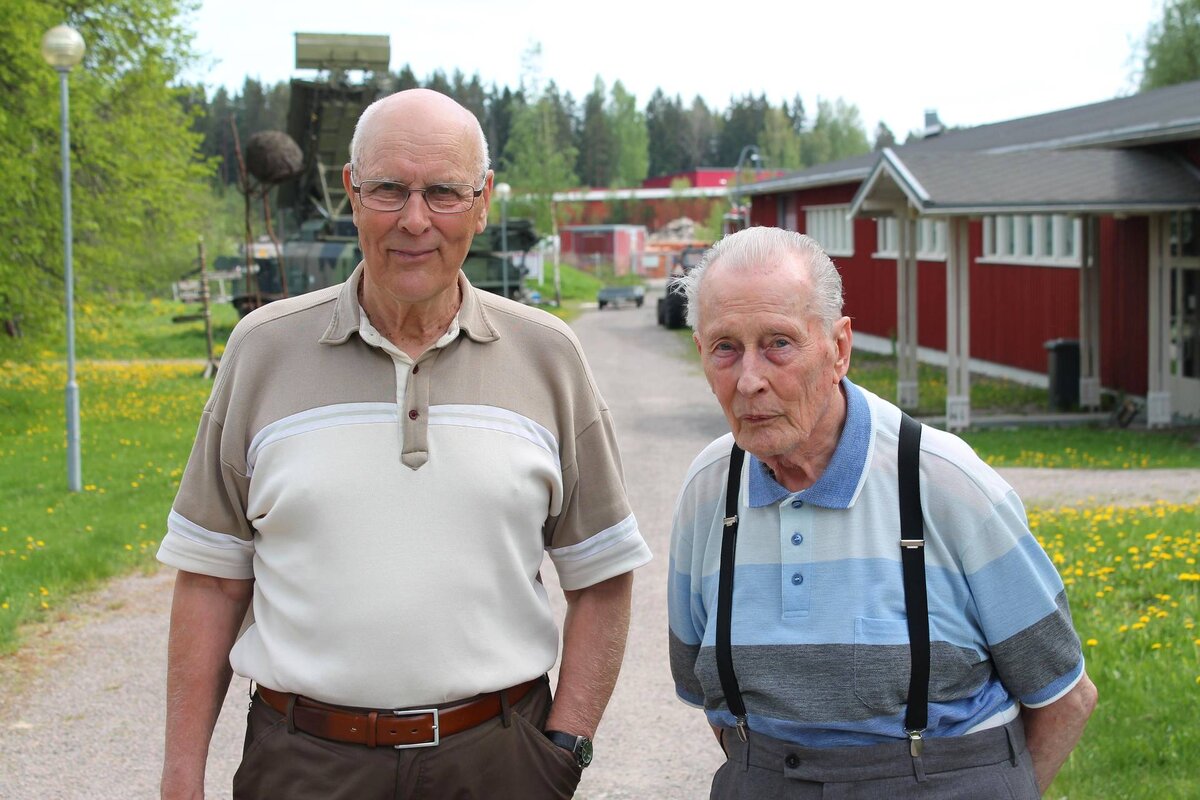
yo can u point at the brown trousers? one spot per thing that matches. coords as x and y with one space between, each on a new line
507 757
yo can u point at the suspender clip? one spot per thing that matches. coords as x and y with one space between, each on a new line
731 520
915 743
742 727
912 544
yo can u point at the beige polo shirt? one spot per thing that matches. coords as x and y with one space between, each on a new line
394 515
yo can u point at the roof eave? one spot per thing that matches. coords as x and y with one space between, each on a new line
801 181
987 209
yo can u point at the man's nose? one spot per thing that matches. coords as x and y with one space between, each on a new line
415 217
751 378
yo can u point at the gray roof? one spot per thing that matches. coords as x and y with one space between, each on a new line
957 183
1154 117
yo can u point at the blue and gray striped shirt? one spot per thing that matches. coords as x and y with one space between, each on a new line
820 637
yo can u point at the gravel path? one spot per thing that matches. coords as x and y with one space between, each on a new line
81 707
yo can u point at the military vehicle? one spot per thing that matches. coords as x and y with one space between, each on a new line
320 246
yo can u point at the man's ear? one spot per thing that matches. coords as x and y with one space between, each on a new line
843 342
347 183
485 200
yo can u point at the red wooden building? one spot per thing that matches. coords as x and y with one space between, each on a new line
988 242
593 247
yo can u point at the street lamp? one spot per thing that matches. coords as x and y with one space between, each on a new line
749 153
504 191
62 47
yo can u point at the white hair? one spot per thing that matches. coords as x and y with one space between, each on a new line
364 122
763 245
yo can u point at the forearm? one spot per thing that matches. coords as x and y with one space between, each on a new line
206 614
594 634
1051 732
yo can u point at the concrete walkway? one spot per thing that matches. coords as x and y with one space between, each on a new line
81 707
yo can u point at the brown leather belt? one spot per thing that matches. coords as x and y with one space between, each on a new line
399 728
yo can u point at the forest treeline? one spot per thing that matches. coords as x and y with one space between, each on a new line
152 156
614 140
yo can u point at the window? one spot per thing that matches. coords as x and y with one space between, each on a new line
1048 239
931 238
832 228
1185 234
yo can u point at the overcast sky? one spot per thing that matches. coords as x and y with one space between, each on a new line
973 62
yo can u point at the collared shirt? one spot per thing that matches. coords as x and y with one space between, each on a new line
394 513
820 635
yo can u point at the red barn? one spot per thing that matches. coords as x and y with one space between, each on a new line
985 244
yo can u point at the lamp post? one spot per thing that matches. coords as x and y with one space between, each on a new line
504 191
62 47
749 153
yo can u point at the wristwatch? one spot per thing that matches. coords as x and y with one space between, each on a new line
578 746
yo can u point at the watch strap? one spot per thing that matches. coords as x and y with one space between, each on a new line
579 746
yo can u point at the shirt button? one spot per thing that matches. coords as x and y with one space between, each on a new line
792 761
797 579
416 368
797 538
413 414
797 503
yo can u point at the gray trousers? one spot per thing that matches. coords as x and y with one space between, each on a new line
989 765
504 757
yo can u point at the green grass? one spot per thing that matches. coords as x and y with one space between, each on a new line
136 330
877 373
1087 447
1134 586
137 425
576 286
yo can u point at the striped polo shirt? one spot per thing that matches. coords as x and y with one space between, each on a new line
819 632
394 514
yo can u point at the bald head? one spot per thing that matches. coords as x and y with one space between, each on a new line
422 109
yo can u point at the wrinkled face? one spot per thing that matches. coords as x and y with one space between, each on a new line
413 255
774 369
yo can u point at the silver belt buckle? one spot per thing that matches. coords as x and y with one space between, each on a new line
437 738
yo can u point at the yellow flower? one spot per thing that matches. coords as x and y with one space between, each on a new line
1156 646
1092 642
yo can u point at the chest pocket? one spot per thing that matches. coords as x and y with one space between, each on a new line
881 663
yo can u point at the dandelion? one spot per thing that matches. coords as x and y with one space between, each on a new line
1092 642
1156 646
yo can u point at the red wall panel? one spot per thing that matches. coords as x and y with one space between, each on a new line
1124 298
1016 309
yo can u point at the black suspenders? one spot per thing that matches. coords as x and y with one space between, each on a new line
729 684
912 555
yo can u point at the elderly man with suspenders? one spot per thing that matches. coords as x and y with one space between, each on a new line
856 602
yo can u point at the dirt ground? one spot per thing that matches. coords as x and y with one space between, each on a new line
81 706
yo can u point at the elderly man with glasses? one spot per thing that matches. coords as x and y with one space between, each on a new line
361 525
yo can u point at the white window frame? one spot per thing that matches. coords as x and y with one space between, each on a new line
931 238
832 227
1055 240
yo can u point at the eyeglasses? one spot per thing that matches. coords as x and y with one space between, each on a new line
441 198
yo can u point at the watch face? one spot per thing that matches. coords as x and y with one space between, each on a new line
583 751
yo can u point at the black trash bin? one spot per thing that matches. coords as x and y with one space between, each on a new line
1063 372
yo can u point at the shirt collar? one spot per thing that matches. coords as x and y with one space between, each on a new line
472 318
837 485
